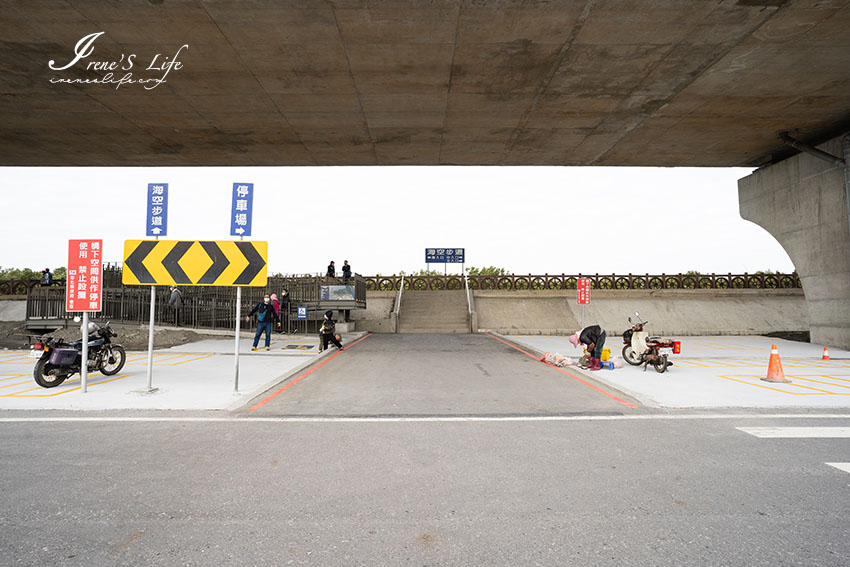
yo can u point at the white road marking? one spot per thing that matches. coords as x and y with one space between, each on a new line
447 418
797 432
841 466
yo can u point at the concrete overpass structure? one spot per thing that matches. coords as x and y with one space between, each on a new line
440 82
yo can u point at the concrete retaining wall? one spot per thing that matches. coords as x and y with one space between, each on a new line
377 317
13 309
674 312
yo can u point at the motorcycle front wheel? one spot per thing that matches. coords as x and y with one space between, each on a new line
630 356
113 359
46 376
660 364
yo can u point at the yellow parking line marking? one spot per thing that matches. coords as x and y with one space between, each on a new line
192 359
16 384
19 394
815 391
12 376
798 377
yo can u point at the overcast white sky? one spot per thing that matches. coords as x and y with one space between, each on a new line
525 219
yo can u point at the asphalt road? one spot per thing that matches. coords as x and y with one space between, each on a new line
312 478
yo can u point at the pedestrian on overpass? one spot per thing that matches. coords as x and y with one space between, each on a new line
594 338
266 315
346 273
331 273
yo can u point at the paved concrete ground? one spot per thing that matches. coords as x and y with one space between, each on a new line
412 374
195 376
724 372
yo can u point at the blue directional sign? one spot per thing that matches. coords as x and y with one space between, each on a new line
444 255
157 210
302 313
240 215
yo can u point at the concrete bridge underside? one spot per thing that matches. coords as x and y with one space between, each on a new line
459 82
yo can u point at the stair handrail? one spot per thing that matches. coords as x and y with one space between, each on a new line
468 296
398 301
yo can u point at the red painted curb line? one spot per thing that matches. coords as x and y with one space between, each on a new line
561 370
293 382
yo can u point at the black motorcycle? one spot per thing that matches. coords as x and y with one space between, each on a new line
58 360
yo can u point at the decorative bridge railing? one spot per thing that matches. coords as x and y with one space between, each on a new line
597 281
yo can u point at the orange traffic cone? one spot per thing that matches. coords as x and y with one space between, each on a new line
774 367
825 354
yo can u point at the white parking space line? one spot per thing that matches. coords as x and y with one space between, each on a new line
420 419
798 432
841 466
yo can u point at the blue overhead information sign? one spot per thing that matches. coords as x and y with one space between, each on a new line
444 255
157 209
240 215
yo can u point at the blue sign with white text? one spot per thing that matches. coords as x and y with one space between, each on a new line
156 222
302 312
444 255
240 215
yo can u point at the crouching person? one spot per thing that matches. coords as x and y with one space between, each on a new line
327 333
594 338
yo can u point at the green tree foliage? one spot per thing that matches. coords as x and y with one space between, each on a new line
19 274
488 271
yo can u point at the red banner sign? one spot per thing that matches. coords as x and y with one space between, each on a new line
583 291
84 286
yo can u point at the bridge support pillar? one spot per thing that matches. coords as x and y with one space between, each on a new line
801 201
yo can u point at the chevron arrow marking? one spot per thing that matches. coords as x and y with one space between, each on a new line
220 263
135 265
255 263
170 262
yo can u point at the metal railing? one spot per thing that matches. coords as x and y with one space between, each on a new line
209 307
598 281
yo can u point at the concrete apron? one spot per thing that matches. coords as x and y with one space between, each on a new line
720 371
194 376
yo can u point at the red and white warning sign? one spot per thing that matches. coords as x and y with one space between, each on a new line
583 291
84 287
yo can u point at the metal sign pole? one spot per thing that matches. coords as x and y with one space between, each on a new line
150 340
582 315
84 363
236 341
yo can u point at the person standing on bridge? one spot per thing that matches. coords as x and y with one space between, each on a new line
265 316
346 273
594 338
331 273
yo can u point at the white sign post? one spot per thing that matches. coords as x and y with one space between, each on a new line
156 223
241 214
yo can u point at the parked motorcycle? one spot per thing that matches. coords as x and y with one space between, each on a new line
58 360
640 348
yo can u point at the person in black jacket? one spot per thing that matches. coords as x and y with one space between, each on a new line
346 273
328 332
285 302
265 316
594 338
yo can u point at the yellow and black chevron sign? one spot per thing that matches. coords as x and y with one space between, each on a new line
195 262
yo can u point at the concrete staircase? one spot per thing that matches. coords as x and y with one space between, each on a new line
441 312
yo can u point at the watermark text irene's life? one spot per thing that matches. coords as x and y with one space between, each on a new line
118 72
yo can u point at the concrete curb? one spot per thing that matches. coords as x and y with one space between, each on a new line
578 370
292 372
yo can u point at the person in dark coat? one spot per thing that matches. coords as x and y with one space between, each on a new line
346 273
176 303
328 332
331 273
266 315
594 337
285 302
